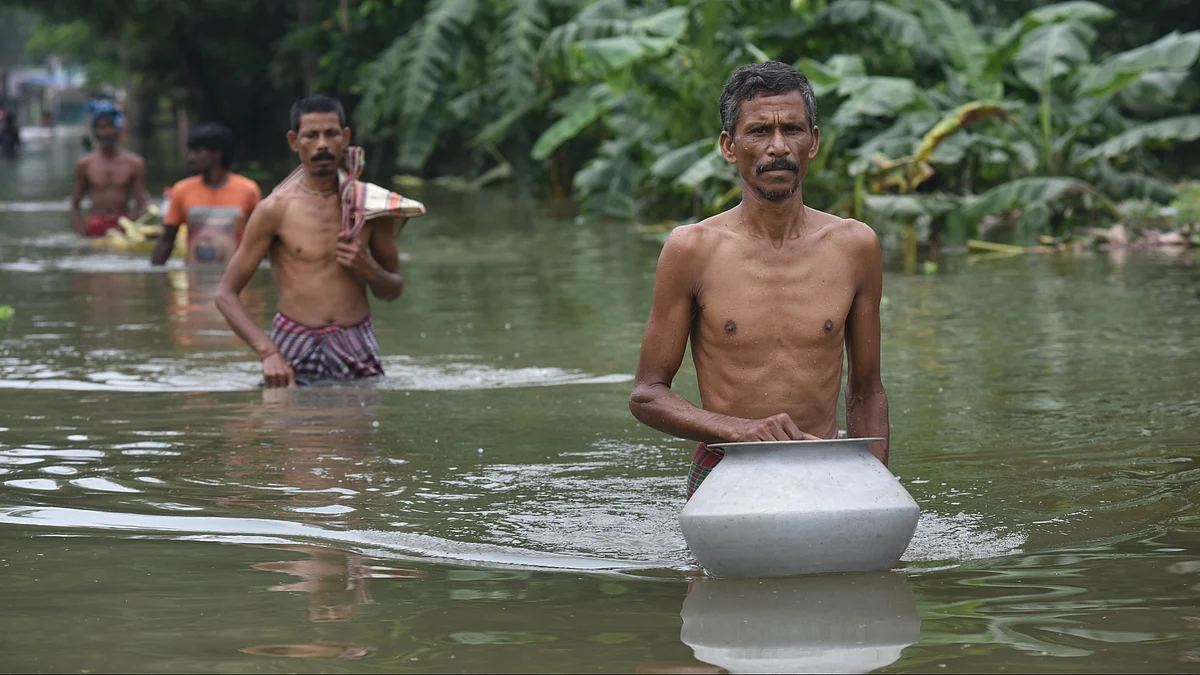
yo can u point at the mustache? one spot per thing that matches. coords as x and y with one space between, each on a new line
323 154
777 164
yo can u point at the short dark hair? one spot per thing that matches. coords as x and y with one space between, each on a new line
109 116
770 78
213 136
317 103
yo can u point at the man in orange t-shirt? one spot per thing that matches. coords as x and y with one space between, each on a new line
215 203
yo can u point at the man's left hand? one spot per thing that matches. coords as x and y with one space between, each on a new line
354 255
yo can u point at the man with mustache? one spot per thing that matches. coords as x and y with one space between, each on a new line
329 237
111 175
770 293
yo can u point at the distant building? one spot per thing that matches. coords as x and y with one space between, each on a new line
33 91
30 89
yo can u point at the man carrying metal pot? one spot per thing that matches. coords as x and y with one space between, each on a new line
770 293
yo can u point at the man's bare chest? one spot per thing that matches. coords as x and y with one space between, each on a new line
110 174
783 305
311 233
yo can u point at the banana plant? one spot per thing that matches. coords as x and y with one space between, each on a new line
645 79
1060 127
464 63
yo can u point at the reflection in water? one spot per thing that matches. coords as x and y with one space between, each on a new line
336 582
102 300
192 316
315 650
308 444
851 623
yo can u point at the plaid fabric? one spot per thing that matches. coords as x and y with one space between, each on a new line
703 462
331 352
362 201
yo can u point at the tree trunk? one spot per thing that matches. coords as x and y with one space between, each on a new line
308 59
130 107
182 129
146 104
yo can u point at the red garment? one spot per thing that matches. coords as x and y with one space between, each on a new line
98 225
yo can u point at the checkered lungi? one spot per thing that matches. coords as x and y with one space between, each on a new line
703 463
332 352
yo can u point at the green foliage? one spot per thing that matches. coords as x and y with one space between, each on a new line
580 109
1187 203
1066 136
76 41
941 112
1172 130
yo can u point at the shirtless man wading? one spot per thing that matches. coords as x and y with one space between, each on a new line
770 292
323 328
112 176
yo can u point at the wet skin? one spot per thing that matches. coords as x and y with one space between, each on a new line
112 177
321 275
770 293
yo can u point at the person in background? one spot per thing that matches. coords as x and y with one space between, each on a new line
10 135
112 177
215 203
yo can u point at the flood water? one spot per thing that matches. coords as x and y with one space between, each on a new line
491 505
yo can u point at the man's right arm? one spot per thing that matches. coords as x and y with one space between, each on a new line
172 219
260 232
166 244
77 194
653 402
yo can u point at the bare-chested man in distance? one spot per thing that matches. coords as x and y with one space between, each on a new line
323 327
770 293
112 176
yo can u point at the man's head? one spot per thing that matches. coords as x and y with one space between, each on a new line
106 130
769 115
319 133
210 145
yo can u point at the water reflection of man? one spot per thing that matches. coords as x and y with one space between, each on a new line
215 203
328 434
770 293
111 176
336 582
193 320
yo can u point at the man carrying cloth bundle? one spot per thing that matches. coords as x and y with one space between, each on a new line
329 237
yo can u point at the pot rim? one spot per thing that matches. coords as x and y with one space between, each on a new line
751 445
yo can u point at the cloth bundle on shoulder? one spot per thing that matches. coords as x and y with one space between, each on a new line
363 201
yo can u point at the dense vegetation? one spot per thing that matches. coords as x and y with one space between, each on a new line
935 113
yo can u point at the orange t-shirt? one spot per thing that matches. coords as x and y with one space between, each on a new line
215 217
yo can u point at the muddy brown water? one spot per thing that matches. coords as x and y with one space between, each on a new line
492 506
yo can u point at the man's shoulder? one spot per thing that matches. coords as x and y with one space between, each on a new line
132 157
242 183
848 230
275 204
186 185
700 236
